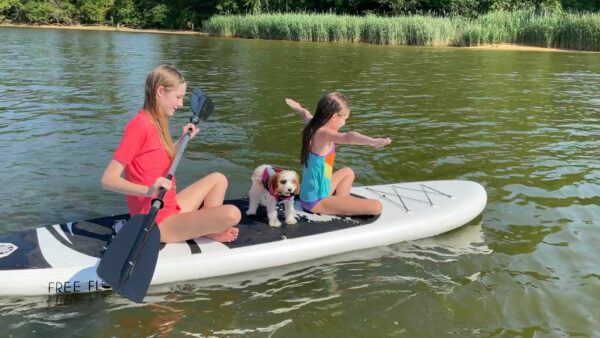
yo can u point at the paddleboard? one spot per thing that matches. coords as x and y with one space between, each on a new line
62 258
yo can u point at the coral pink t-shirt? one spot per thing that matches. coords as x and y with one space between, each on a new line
145 159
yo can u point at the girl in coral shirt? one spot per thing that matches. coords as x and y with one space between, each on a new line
145 155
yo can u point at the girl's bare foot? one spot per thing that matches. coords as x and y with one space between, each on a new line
228 235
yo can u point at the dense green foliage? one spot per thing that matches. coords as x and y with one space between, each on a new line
560 30
189 14
548 23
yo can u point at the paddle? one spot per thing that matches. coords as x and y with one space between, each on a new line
128 262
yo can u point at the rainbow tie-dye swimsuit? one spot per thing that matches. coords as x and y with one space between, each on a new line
316 178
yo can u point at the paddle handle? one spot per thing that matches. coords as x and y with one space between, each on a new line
157 202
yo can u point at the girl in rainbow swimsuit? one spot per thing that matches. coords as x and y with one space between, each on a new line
322 190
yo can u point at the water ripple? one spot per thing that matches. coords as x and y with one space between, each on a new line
522 124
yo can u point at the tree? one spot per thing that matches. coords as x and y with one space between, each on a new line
126 12
189 14
6 8
156 17
93 11
581 5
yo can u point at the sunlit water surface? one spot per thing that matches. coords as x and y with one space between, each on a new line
525 125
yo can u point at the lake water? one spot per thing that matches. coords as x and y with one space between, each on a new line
523 124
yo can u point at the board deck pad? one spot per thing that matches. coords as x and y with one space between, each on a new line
256 230
90 237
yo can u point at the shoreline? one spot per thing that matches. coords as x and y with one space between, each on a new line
500 46
103 28
519 47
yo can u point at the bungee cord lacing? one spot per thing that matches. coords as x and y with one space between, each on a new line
426 190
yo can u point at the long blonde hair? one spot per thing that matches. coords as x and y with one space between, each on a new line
169 77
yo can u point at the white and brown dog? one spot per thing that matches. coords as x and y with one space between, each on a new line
271 186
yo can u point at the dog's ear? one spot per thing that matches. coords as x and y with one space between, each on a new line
297 183
274 183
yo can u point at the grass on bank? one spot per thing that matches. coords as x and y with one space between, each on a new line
555 30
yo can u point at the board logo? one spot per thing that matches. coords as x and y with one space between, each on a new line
6 249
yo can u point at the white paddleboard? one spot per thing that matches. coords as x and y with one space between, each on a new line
62 258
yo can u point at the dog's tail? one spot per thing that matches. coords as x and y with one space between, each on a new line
257 174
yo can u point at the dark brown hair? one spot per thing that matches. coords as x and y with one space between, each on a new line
328 105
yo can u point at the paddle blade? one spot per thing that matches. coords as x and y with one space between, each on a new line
116 259
202 106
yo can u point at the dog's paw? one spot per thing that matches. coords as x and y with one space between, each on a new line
291 220
250 212
275 223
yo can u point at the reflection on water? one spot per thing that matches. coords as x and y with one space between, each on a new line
523 124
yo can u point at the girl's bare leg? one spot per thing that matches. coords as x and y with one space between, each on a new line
341 203
216 223
210 189
341 182
347 205
214 220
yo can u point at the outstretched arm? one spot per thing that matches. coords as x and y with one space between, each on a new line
305 114
352 137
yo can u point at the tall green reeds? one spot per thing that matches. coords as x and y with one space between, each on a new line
569 31
560 30
406 30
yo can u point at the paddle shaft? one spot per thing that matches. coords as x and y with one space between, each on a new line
157 204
